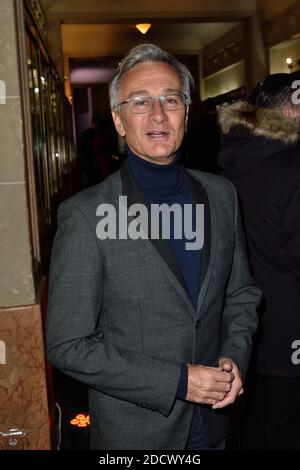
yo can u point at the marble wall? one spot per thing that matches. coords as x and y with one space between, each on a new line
23 388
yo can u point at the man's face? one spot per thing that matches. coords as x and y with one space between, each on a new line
154 136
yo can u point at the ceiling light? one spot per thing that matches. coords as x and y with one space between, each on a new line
292 63
143 27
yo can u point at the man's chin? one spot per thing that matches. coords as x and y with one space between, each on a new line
161 154
160 159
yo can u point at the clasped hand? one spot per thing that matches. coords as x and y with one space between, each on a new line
216 386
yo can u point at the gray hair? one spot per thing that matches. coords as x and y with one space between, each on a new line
148 53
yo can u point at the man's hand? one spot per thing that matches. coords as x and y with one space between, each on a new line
208 385
236 386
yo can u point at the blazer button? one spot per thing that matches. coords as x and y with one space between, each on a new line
198 323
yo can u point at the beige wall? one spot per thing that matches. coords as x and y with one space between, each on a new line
16 283
278 56
227 80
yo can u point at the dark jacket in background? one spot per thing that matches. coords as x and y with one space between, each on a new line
261 158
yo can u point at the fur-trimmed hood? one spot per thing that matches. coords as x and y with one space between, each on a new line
252 135
266 122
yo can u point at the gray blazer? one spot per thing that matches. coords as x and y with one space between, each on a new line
121 320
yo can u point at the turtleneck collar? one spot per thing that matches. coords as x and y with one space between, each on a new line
157 180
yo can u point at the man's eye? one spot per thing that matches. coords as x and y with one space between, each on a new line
172 100
141 102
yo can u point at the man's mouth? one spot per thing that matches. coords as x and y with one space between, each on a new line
157 134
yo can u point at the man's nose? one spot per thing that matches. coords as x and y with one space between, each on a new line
157 112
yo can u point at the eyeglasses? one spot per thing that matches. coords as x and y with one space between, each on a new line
144 104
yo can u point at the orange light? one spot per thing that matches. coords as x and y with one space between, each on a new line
143 27
81 420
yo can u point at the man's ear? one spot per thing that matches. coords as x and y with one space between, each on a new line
186 118
118 123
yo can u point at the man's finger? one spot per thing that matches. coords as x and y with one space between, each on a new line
228 400
225 376
226 365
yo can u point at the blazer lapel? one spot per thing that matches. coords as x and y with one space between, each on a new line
200 197
209 250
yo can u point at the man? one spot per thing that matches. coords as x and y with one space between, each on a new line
158 327
260 155
97 150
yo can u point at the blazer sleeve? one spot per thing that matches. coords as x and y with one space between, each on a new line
240 319
73 342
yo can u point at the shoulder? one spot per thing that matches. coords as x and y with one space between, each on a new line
88 200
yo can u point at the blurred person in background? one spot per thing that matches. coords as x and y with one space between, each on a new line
98 153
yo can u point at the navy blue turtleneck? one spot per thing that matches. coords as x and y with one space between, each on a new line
167 184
